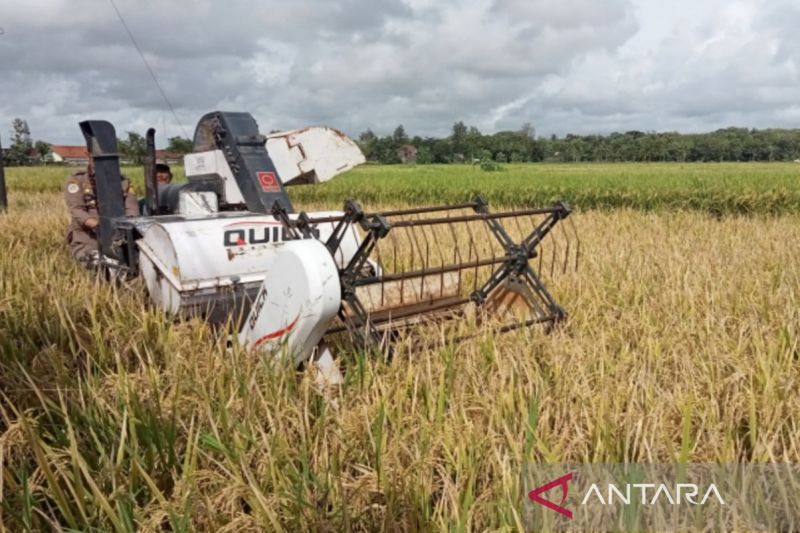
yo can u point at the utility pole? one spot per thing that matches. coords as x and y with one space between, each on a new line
3 196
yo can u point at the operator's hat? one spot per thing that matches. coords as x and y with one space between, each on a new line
162 166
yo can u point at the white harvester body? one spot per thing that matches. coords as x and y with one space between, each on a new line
228 247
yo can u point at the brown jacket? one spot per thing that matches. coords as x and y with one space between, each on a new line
81 200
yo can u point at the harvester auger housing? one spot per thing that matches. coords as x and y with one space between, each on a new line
227 245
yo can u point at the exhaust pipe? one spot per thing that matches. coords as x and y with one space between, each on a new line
3 196
150 182
101 140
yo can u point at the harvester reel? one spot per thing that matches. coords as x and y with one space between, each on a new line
429 264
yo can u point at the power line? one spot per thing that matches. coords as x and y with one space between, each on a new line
147 65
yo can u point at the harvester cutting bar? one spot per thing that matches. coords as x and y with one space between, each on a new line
432 221
471 218
363 282
401 212
433 209
412 266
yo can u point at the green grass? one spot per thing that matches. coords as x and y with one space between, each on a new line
718 188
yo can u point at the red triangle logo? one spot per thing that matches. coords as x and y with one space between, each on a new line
562 482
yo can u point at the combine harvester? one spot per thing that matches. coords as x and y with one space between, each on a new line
227 245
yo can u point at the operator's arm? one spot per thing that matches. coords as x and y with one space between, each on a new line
73 196
131 201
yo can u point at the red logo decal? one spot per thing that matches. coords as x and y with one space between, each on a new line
279 333
562 482
268 181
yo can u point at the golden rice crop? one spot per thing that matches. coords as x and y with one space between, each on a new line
682 345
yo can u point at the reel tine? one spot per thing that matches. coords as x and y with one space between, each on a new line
577 241
379 259
540 255
426 259
456 254
442 261
554 243
397 248
423 257
471 257
413 265
566 253
520 234
491 244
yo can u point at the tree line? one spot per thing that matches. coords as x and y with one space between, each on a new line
468 144
134 146
23 150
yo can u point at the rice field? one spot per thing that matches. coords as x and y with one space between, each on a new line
717 188
682 345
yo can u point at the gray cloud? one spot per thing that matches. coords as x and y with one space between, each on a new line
566 66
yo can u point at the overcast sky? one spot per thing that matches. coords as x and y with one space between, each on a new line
566 66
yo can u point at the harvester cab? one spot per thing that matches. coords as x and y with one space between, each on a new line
228 246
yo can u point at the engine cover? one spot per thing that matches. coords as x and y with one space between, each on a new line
213 267
297 301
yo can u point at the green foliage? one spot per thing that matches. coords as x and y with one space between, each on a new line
180 145
729 144
42 149
424 156
133 148
463 145
489 165
19 153
23 150
399 136
459 137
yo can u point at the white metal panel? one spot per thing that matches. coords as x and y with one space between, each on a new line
296 303
196 257
195 203
213 162
312 155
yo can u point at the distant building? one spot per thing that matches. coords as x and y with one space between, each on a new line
170 158
70 155
76 155
407 153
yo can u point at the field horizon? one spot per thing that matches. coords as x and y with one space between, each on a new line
716 188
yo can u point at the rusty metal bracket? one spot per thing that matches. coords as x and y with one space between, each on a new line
358 321
517 266
352 214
